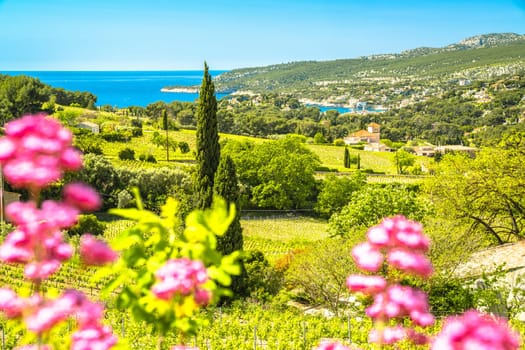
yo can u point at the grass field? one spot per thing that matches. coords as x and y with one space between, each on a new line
330 156
277 236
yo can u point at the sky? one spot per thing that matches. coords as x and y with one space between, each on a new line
181 35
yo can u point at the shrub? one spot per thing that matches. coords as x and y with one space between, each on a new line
87 223
151 159
126 154
263 280
115 136
136 132
184 147
339 142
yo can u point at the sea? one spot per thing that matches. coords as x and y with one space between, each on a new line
124 88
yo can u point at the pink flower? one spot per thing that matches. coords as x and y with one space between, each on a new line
35 151
59 214
95 337
82 196
47 316
95 252
474 330
388 335
331 346
378 236
179 276
41 270
10 303
7 148
366 284
202 297
367 257
411 262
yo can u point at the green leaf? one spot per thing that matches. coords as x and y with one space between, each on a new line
219 275
135 214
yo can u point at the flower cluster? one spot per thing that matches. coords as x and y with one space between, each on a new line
474 330
41 315
182 277
95 252
38 241
35 152
402 245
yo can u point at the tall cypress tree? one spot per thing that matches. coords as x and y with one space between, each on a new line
227 187
347 158
208 149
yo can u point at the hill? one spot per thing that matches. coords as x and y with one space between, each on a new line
375 78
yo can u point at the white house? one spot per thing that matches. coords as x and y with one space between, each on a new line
95 129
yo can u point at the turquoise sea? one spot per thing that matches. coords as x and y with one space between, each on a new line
123 88
131 88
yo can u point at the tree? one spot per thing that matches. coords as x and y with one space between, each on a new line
277 174
404 160
320 272
347 158
208 149
372 203
336 192
226 186
165 126
486 193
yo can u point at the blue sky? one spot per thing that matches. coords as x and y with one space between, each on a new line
174 34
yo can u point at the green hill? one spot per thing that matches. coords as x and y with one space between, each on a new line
478 57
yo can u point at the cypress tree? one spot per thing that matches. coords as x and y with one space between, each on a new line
226 186
347 158
208 149
358 161
165 125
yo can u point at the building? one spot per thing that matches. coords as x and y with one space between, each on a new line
371 135
506 264
471 151
377 147
95 129
7 198
428 151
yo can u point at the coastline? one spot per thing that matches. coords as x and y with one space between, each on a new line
179 89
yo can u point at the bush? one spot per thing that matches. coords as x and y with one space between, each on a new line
125 199
448 296
184 147
151 159
263 280
136 132
126 154
142 157
115 136
87 224
339 142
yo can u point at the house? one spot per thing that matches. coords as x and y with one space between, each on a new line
374 128
427 151
371 135
95 129
508 261
6 199
471 151
377 147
